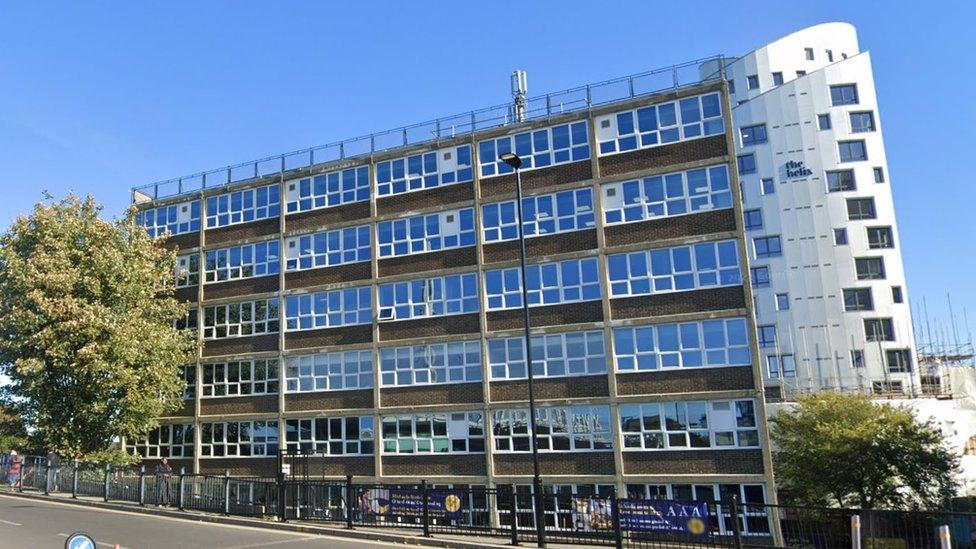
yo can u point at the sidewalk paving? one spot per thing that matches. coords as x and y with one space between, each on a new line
389 535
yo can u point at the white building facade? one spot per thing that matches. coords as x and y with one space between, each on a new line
831 300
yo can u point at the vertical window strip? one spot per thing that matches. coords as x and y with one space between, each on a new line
243 206
424 171
667 195
426 233
187 270
455 362
237 262
328 309
537 148
681 268
567 281
544 214
328 248
339 371
707 343
553 355
327 190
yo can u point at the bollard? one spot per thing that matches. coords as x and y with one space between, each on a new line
424 509
855 531
74 481
142 485
47 479
282 495
226 492
736 523
945 538
108 471
513 513
349 502
180 490
618 537
20 475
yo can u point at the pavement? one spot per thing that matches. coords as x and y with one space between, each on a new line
38 523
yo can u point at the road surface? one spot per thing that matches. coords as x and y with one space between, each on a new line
36 524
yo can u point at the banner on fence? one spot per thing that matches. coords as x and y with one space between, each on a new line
662 515
590 514
410 503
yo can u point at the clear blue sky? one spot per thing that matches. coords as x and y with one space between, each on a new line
98 97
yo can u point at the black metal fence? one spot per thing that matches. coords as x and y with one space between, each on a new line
504 512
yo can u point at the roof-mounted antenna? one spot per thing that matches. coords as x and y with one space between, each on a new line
520 85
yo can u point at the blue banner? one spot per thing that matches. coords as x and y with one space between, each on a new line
648 515
409 503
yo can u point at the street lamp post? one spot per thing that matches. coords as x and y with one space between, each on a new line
515 162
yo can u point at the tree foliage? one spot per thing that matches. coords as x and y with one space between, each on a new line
87 333
842 449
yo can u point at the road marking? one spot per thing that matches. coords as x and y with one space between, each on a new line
11 523
267 543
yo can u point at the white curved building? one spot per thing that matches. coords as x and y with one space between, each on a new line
831 300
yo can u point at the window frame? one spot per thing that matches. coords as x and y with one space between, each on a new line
457 427
329 371
724 274
638 435
356 435
423 297
459 362
262 319
243 206
537 148
550 352
316 250
302 311
425 233
641 348
499 220
558 429
425 170
221 265
542 292
327 190
262 378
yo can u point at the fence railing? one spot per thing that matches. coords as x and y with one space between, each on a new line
505 512
541 107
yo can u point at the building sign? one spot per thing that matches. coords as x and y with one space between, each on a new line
642 515
409 503
795 169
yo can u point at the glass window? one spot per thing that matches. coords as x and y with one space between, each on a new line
426 233
426 297
544 214
454 362
879 175
879 329
548 284
862 122
331 436
767 186
434 433
689 425
760 276
777 79
767 335
237 262
747 163
328 309
190 381
880 237
557 429
896 295
823 121
168 440
660 124
240 319
782 302
858 299
188 322
808 53
860 208
899 360
705 343
869 268
674 269
753 135
767 246
852 151
175 219
328 248
537 148
781 366
553 355
327 190
240 378
187 270
239 439
753 219
840 180
667 195
337 371
424 171
840 237
752 81
243 206
844 94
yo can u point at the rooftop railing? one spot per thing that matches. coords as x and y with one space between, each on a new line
541 107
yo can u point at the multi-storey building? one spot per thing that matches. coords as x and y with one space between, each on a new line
367 309
826 268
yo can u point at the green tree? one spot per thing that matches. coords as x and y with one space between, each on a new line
842 449
13 433
87 333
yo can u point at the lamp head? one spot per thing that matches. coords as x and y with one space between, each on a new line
511 159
